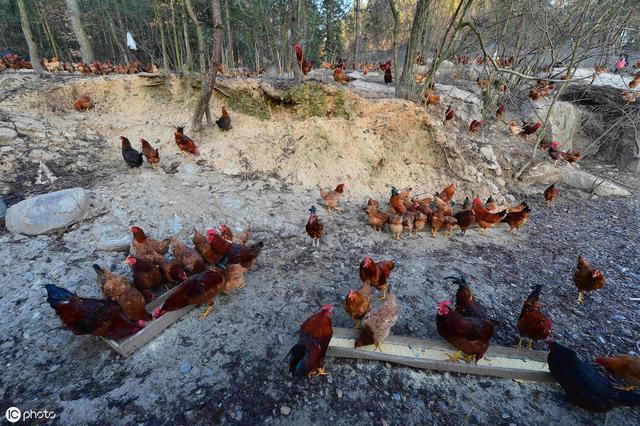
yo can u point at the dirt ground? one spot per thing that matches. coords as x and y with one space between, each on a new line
230 367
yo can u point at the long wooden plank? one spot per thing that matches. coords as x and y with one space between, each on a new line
128 345
510 363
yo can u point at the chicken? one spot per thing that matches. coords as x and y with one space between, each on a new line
529 129
470 335
475 126
517 219
97 317
224 122
635 82
173 271
227 234
550 194
447 194
465 219
377 218
189 258
554 153
408 220
484 218
514 129
151 154
386 65
482 83
449 114
146 275
397 201
500 112
378 324
233 278
388 77
466 205
121 291
306 357
583 384
420 221
571 157
331 198
340 77
304 65
83 103
623 367
184 142
430 98
132 157
395 225
532 323
437 222
147 246
357 303
199 289
600 69
443 206
235 253
491 205
466 304
587 278
377 274
314 226
450 222
372 202
202 246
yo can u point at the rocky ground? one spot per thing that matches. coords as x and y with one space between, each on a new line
229 367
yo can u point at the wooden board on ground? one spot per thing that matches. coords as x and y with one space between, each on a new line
128 345
499 361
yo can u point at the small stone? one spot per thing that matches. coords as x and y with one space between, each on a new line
280 340
505 416
285 411
53 368
339 394
500 181
329 379
396 396
185 367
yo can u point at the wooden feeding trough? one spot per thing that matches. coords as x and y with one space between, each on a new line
128 345
499 361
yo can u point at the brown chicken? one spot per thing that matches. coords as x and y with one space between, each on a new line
475 126
517 219
529 129
378 324
397 201
623 367
227 234
514 129
550 194
146 275
377 274
466 304
357 303
447 194
571 157
587 278
482 83
224 122
465 219
450 223
629 97
121 291
420 221
202 246
234 253
500 112
430 98
184 142
146 246
443 206
437 222
189 258
307 356
173 271
470 335
449 114
484 218
83 103
340 77
199 289
314 227
377 218
532 323
395 225
103 318
150 153
233 278
491 205
304 65
331 198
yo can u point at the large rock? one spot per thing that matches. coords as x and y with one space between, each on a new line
44 213
565 120
468 106
3 210
590 183
7 135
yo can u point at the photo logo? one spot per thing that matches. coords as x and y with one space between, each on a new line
13 414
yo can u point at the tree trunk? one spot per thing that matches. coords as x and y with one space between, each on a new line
394 37
356 43
229 35
76 23
176 41
163 44
417 29
201 52
205 96
48 32
28 35
297 72
187 44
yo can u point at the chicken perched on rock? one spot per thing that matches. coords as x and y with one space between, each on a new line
587 278
224 122
305 66
150 153
532 323
378 324
83 103
376 273
475 126
121 291
132 157
184 142
104 318
358 302
306 357
314 226
331 198
449 114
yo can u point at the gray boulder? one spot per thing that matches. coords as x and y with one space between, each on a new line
7 135
591 183
565 120
44 213
3 210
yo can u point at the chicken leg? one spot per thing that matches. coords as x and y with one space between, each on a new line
321 372
580 297
519 345
456 357
207 311
357 324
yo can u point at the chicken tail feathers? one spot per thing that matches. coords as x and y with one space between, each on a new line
57 294
629 399
299 354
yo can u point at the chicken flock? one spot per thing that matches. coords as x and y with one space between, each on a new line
217 262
